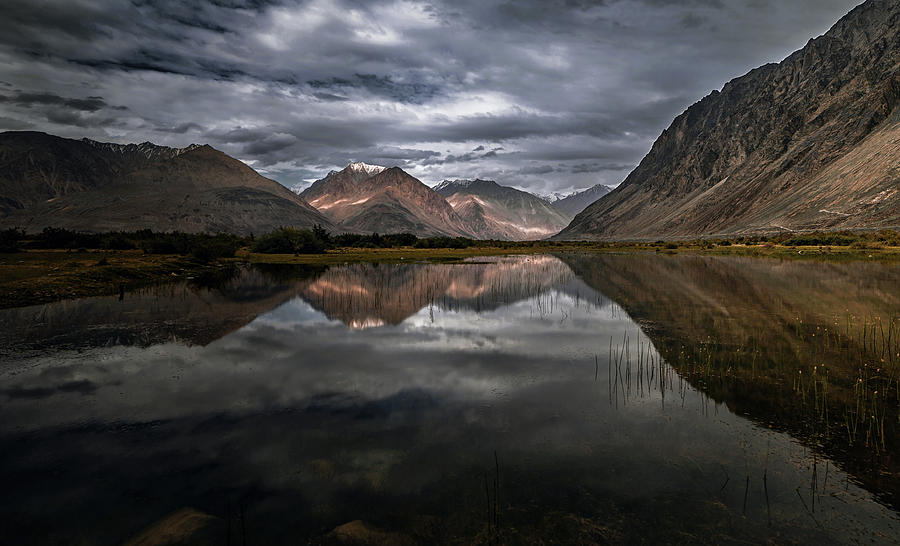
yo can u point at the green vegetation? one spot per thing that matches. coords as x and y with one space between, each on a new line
10 240
318 241
877 239
202 246
289 241
835 385
31 272
42 276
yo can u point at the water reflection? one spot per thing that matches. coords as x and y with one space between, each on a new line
366 295
811 348
193 312
303 421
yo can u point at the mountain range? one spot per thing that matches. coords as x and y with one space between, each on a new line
810 143
492 211
371 198
49 181
576 202
367 198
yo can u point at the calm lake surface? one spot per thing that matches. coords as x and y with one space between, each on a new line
574 398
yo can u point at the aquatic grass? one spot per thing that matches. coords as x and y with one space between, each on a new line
842 377
834 383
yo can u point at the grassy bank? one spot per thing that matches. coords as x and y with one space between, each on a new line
32 276
406 254
41 276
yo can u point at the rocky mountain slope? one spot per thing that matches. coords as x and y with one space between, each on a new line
92 186
366 198
576 202
810 143
493 211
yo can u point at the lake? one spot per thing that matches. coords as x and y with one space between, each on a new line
572 398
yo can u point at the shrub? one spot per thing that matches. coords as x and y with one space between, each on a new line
208 248
52 237
444 242
289 241
11 240
118 241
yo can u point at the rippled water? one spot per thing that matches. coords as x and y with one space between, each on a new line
576 398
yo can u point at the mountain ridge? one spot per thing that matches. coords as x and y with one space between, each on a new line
575 202
50 181
388 201
494 211
808 143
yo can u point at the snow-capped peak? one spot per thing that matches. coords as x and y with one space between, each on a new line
554 197
361 167
458 183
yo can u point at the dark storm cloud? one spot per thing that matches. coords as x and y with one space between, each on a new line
181 128
537 169
12 124
461 158
598 167
298 87
88 104
269 143
382 86
330 97
87 112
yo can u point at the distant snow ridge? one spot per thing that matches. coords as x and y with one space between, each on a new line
147 149
555 196
361 167
457 182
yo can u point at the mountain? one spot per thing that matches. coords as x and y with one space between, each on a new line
576 202
493 211
810 143
367 198
86 185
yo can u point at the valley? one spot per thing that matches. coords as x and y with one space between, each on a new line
430 272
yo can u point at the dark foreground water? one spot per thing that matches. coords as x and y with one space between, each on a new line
570 399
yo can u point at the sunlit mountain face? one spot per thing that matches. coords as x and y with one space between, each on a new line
493 211
365 198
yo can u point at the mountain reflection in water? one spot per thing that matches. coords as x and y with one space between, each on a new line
503 400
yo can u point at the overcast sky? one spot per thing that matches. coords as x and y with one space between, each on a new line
549 95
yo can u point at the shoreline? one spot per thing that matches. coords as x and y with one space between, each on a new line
43 276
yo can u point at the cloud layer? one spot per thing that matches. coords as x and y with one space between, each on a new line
546 96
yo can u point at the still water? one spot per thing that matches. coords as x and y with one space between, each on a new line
575 398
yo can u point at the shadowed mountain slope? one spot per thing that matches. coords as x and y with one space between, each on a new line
93 186
810 143
576 202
